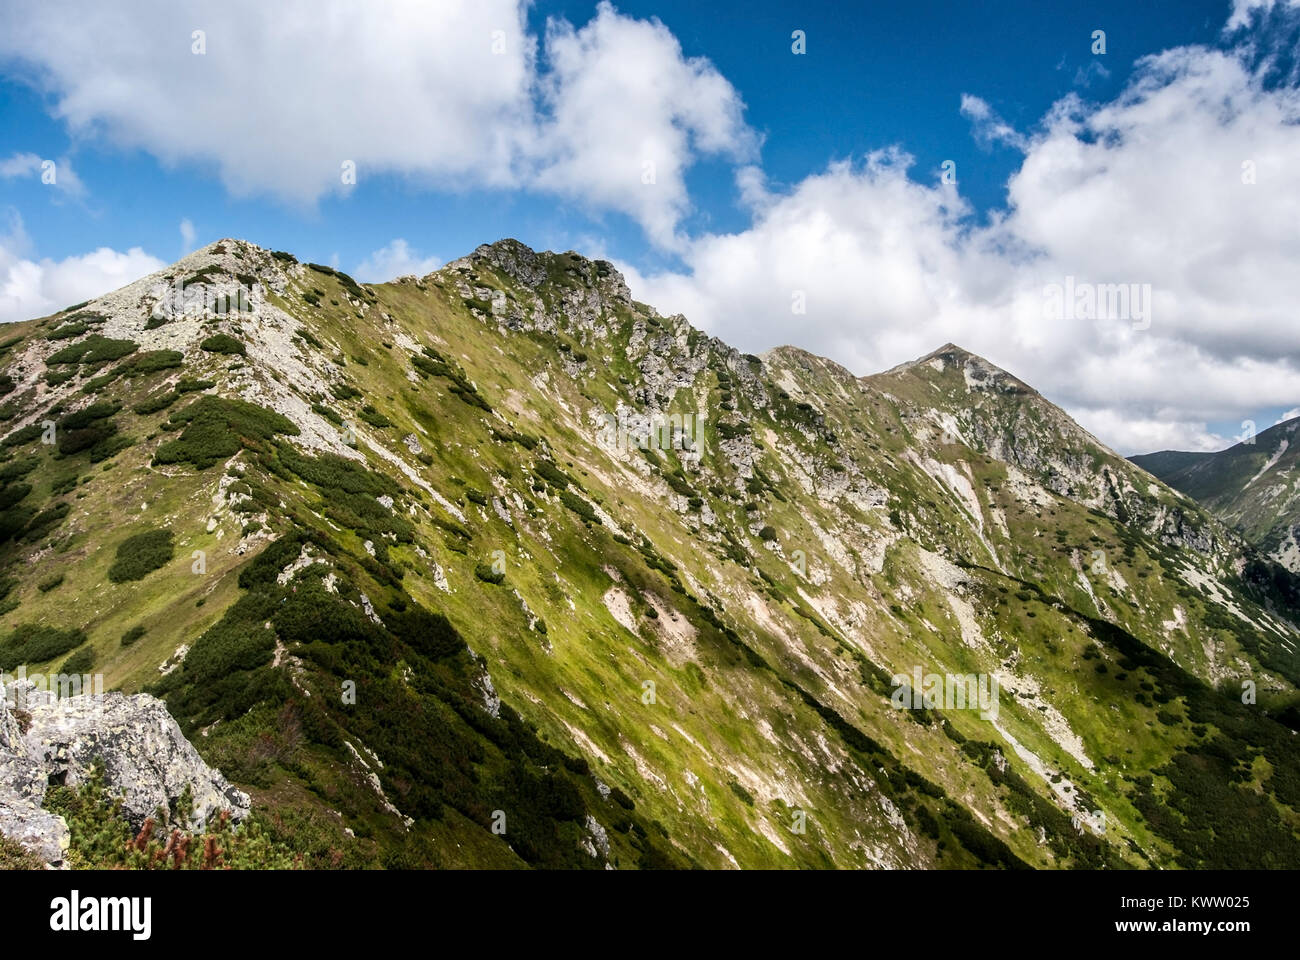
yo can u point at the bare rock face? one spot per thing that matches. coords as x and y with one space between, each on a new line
145 758
22 787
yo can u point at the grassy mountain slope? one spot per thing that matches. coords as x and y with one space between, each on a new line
398 573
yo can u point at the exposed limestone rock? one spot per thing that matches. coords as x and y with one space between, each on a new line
144 756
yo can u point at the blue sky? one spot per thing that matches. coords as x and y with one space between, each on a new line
875 75
778 173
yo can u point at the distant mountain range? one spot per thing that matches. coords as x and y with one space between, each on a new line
1253 487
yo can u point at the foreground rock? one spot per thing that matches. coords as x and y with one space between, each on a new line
145 758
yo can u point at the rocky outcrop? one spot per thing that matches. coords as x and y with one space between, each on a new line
145 759
586 293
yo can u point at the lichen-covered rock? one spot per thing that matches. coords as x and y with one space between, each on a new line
43 833
22 787
145 758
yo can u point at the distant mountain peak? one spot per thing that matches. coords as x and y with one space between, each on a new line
978 373
950 350
960 357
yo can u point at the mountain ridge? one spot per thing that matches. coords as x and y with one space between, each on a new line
454 492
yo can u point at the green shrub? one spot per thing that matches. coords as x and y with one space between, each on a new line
84 417
328 414
99 383
451 526
552 474
14 856
79 662
193 385
109 446
17 469
102 838
513 436
435 365
94 349
24 435
141 554
767 533
37 643
68 331
348 283
151 361
485 573
87 428
579 506
42 523
12 493
729 431
156 403
373 417
64 484
49 583
351 491
201 275
132 635
744 795
216 429
223 343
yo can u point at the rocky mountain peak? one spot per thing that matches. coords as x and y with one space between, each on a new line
531 268
978 372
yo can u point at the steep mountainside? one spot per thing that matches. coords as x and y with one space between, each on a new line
1253 487
499 567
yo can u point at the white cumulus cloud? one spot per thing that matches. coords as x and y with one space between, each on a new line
626 113
32 288
397 259
301 98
